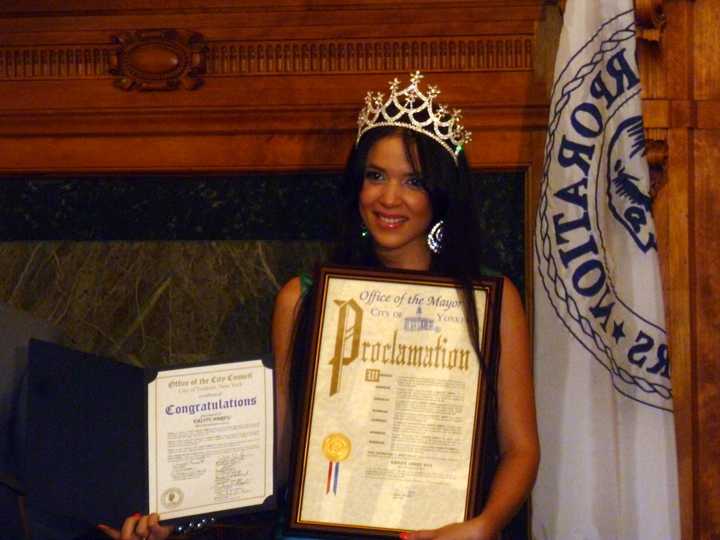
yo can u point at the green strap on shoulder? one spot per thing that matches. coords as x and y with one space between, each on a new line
486 271
306 282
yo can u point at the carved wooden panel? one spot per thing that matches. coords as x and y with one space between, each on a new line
486 53
55 62
291 69
242 58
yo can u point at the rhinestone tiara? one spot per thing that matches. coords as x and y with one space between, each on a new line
416 110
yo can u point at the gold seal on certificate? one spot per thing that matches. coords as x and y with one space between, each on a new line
336 447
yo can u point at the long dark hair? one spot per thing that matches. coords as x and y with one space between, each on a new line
450 188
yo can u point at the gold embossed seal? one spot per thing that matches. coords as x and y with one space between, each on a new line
336 447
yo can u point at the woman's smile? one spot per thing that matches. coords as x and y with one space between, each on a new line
390 221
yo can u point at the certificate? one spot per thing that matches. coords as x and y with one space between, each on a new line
391 436
210 439
187 442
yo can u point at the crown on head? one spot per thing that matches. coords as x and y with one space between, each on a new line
416 110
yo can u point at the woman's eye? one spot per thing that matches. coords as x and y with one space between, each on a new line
373 176
415 182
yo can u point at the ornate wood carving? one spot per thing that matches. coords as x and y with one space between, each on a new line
55 62
158 60
154 60
487 53
650 18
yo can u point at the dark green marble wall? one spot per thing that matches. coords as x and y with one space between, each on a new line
170 270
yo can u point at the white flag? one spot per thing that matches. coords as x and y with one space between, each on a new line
604 398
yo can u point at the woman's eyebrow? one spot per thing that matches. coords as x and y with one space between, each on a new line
381 169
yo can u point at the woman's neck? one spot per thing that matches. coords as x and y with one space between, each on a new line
405 260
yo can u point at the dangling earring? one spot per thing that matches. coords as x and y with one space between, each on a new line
364 233
435 237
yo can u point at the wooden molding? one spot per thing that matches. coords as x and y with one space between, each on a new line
158 60
291 71
55 62
166 59
486 53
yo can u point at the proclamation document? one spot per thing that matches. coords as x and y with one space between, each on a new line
210 439
392 432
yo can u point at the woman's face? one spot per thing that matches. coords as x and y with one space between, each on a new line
394 206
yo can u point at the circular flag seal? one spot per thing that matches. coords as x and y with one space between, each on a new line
595 248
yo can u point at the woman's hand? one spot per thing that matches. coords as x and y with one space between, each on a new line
467 530
138 527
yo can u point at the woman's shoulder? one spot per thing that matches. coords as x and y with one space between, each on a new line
289 294
511 292
296 288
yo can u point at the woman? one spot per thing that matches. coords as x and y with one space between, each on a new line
406 174
407 177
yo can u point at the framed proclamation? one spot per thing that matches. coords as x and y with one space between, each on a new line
391 436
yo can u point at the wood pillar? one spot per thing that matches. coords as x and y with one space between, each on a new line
682 101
